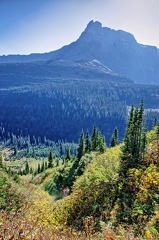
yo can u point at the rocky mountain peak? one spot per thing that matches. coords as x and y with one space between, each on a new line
94 30
94 25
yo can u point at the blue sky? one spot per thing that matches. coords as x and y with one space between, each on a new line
28 26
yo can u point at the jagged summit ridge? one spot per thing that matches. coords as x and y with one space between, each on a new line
94 25
105 32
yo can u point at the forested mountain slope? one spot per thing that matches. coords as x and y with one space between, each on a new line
60 108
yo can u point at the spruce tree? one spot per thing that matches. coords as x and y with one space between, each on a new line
46 165
112 141
1 160
133 140
155 122
101 145
94 139
42 167
135 137
132 157
15 150
26 167
81 147
50 160
68 156
31 170
114 138
28 148
98 141
142 146
87 143
39 168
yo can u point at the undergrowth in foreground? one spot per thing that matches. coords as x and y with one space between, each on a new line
113 195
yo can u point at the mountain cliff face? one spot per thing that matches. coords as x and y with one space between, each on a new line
117 50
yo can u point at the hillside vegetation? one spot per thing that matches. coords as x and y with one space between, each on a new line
101 193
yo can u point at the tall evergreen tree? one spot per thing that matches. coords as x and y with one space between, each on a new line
39 168
142 146
94 139
1 160
132 157
114 138
81 147
30 170
28 148
155 122
15 150
50 160
134 139
68 156
46 165
112 141
101 145
26 167
98 141
87 143
42 167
